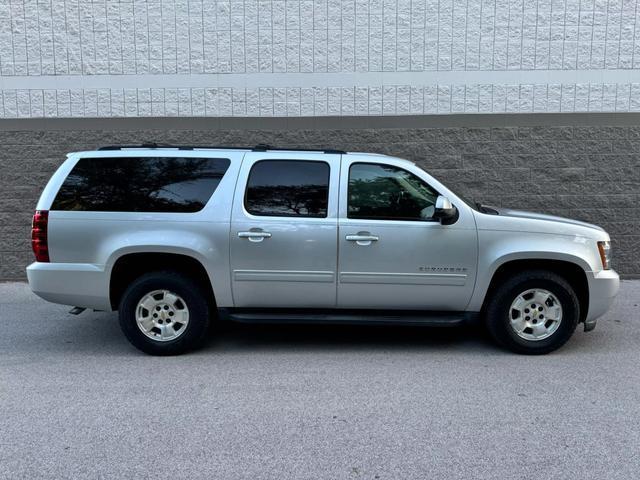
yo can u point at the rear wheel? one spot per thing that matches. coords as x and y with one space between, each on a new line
533 312
164 313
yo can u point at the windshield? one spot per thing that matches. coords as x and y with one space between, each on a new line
477 206
469 202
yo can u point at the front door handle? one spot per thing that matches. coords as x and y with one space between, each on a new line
254 236
362 238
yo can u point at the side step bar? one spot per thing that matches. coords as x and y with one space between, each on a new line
432 319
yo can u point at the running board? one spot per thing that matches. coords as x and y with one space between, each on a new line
431 319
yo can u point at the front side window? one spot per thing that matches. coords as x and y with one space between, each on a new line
384 192
288 188
140 184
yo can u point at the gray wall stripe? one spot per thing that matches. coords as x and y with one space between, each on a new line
322 123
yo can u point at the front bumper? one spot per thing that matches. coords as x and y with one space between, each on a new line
603 288
78 284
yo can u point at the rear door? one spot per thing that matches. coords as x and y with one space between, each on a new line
284 230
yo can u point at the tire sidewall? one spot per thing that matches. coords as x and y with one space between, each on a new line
190 294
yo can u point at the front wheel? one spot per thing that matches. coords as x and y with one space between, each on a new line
164 313
534 312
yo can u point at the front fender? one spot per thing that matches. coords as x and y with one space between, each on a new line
499 247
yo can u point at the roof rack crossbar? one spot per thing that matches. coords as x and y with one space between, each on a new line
261 147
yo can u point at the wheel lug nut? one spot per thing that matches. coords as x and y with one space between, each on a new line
541 317
540 308
526 310
171 314
166 307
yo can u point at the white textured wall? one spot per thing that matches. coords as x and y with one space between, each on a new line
62 58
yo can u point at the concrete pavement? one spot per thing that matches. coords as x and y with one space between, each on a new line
77 401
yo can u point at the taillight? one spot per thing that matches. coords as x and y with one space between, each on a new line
39 235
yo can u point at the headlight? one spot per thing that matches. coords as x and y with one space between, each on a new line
605 254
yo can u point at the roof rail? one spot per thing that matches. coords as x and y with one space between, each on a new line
166 145
261 147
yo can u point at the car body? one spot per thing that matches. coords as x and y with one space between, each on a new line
320 259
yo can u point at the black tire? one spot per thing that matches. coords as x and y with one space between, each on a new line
194 297
497 313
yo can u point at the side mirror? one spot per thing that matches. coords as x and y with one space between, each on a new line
445 211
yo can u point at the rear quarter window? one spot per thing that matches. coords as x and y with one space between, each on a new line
141 184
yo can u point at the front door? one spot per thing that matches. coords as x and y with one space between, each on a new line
284 230
392 253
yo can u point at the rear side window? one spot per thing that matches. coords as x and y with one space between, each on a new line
141 184
288 188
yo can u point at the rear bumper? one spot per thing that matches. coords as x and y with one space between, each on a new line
603 288
77 284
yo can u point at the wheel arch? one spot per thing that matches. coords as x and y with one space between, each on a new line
130 265
573 272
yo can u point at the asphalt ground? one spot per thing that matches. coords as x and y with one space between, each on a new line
314 402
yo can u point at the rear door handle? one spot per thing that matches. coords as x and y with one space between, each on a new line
362 239
254 236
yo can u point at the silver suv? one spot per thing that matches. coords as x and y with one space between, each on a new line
173 237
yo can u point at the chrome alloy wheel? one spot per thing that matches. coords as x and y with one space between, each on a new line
162 315
535 314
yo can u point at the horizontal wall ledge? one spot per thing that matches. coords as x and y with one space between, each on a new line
320 79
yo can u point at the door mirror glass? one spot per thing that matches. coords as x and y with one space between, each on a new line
445 211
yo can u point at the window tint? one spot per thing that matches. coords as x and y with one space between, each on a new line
383 192
288 188
141 184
